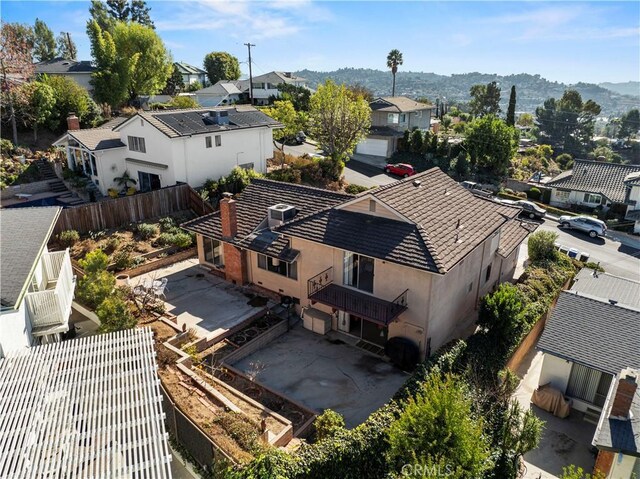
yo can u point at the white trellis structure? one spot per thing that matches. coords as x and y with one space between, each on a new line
85 408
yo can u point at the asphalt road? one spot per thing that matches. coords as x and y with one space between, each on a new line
614 257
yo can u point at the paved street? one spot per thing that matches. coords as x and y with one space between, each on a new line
614 257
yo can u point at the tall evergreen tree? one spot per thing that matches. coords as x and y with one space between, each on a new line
66 47
485 99
511 111
394 59
119 9
140 13
99 13
44 42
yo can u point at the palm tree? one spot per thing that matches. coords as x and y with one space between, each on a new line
394 58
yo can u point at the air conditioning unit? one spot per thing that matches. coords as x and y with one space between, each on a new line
280 213
216 117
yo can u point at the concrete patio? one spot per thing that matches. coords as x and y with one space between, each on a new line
326 374
564 441
200 300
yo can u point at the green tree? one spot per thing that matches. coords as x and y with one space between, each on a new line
541 246
183 102
70 97
491 143
66 46
526 119
327 424
100 14
417 140
119 9
94 288
511 110
573 472
485 99
394 60
94 262
221 66
564 161
337 121
115 315
299 96
44 42
500 315
360 90
195 86
140 13
293 121
461 166
175 83
37 107
629 124
438 431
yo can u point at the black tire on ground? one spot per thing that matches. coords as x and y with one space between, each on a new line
386 170
565 225
532 216
593 234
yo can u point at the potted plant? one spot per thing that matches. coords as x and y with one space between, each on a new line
113 193
124 180
131 191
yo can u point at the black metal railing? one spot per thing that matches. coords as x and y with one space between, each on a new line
319 281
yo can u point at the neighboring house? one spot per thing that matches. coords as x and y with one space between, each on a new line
89 407
266 86
408 259
80 72
632 197
618 434
161 148
191 74
590 184
586 342
390 118
221 93
36 286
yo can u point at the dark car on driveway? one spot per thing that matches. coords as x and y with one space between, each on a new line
531 210
400 169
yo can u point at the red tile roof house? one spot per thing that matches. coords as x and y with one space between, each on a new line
408 259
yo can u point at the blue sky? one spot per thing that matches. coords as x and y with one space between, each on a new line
561 41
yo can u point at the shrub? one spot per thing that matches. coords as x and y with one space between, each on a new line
542 246
121 259
328 424
146 230
240 429
355 189
179 239
94 288
68 238
6 147
594 266
534 194
500 315
166 223
115 315
94 262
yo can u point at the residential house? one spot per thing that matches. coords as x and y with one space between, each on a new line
632 197
586 342
78 71
266 86
89 407
221 93
36 285
191 74
592 184
161 148
617 437
408 259
390 118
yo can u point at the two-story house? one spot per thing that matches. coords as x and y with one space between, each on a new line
408 259
78 71
36 286
221 93
191 74
266 86
161 148
390 118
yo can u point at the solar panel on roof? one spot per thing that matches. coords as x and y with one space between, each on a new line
193 122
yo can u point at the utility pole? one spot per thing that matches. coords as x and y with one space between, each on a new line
249 45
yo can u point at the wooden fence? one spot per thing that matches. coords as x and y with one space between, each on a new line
116 212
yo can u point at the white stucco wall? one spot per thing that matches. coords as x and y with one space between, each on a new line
110 164
15 330
575 198
555 371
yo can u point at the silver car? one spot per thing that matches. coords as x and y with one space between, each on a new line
594 227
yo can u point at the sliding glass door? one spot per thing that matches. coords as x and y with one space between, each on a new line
358 271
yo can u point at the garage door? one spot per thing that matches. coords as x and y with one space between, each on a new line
370 146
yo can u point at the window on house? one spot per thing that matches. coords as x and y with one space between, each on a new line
403 118
136 143
487 274
141 122
358 271
562 195
290 270
591 198
148 181
588 384
207 141
218 140
372 206
213 251
94 168
393 118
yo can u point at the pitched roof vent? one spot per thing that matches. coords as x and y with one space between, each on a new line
416 183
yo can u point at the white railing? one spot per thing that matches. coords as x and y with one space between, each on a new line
52 307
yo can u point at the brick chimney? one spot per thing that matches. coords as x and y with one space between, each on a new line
625 392
228 216
73 123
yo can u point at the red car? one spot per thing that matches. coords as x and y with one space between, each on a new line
400 169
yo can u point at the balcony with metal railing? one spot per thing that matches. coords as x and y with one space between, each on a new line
49 307
322 289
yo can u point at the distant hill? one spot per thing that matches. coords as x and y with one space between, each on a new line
532 90
627 88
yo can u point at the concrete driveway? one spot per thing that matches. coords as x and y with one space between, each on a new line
366 174
324 374
200 300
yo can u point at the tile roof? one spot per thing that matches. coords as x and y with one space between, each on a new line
220 88
186 122
398 104
277 77
185 68
632 178
606 286
97 138
596 177
620 435
513 234
252 205
62 65
24 232
593 332
452 221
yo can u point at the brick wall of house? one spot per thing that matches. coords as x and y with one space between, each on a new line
234 264
604 462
